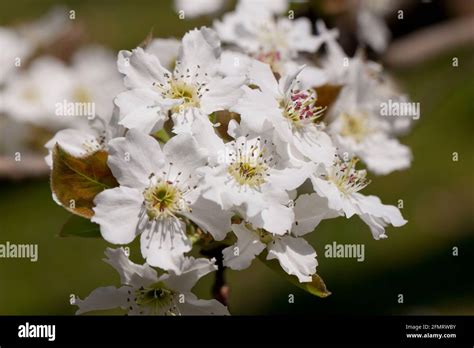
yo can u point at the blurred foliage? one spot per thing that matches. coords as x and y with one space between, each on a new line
416 260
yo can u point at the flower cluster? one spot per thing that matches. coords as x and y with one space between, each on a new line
233 141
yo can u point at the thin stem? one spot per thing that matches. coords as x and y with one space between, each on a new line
220 289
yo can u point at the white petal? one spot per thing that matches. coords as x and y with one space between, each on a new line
310 209
255 109
205 134
234 63
141 69
102 299
277 218
164 243
262 76
300 36
372 30
310 77
193 9
378 215
240 255
336 199
315 145
127 269
289 78
166 50
139 109
291 178
194 306
191 270
116 211
209 216
184 152
73 141
132 159
384 155
200 47
295 256
222 94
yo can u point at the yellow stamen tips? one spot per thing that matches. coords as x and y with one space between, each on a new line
81 95
347 178
186 92
187 86
249 168
355 126
30 94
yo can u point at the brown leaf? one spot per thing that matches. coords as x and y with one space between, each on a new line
327 95
223 117
77 180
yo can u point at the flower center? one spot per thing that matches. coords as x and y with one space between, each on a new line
157 297
186 92
347 178
272 58
249 168
30 94
355 126
163 200
301 109
81 95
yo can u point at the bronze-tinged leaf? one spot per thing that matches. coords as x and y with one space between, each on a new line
327 94
316 287
223 117
75 181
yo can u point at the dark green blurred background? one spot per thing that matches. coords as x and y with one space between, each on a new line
416 260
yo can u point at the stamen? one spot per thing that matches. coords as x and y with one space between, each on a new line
347 178
301 109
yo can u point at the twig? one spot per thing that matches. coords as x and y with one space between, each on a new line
220 289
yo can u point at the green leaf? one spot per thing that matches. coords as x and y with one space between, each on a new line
77 226
162 135
75 181
316 287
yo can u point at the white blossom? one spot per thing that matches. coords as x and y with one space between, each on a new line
143 292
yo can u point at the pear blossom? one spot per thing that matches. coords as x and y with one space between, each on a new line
256 32
340 185
31 95
250 180
84 141
193 90
371 26
287 108
159 191
143 292
95 79
15 50
295 255
358 129
252 150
